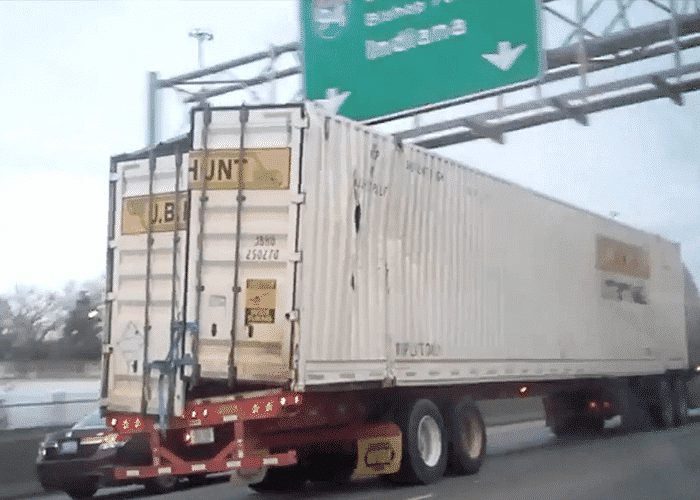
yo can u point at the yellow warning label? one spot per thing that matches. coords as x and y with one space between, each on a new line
261 300
378 455
136 212
622 258
263 168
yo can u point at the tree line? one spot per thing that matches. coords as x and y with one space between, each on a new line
38 324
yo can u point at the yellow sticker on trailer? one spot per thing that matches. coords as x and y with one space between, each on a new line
136 212
622 258
261 301
263 168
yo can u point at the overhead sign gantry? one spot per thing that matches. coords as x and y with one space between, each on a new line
377 57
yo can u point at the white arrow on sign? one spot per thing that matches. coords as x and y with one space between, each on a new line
333 101
506 55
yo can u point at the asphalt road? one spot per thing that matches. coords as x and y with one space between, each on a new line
526 462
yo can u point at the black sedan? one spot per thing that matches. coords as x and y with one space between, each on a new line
77 460
80 460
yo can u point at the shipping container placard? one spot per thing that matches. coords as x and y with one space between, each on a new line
135 213
263 168
622 258
261 300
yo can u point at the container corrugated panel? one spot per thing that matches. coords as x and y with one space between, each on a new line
424 271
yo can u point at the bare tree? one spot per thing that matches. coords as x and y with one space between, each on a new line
35 313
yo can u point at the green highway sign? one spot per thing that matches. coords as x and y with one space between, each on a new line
369 58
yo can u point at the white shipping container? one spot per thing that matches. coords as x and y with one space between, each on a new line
363 260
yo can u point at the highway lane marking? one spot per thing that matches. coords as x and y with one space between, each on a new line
422 497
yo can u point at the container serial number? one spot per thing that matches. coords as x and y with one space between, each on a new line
262 254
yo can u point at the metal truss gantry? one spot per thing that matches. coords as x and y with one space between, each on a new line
587 42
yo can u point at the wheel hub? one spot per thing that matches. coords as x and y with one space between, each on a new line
429 441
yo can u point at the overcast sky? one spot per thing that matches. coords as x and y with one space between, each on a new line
72 79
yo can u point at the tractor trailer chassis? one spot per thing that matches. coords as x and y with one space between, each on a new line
331 435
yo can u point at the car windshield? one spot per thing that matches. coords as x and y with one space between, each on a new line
90 420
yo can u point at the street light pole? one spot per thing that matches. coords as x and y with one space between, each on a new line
152 113
201 35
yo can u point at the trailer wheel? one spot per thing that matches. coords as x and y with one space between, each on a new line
84 489
634 409
292 478
335 468
197 480
584 425
679 393
160 484
467 437
662 404
424 442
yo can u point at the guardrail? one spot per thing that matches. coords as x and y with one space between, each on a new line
47 403
57 411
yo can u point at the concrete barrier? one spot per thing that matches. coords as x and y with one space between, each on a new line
49 369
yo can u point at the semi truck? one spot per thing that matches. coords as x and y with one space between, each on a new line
293 296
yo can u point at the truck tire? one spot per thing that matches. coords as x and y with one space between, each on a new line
662 404
634 409
196 480
84 489
291 478
467 434
679 393
580 426
567 414
424 442
160 484
335 468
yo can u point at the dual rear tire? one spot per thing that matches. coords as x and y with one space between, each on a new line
660 402
431 443
679 394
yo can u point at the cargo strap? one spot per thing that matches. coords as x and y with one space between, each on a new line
243 118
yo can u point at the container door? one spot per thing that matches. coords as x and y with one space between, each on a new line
243 243
145 282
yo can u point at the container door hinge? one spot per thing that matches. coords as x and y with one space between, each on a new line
292 315
295 257
301 122
298 198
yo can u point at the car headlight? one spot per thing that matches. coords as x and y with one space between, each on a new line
111 441
43 446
